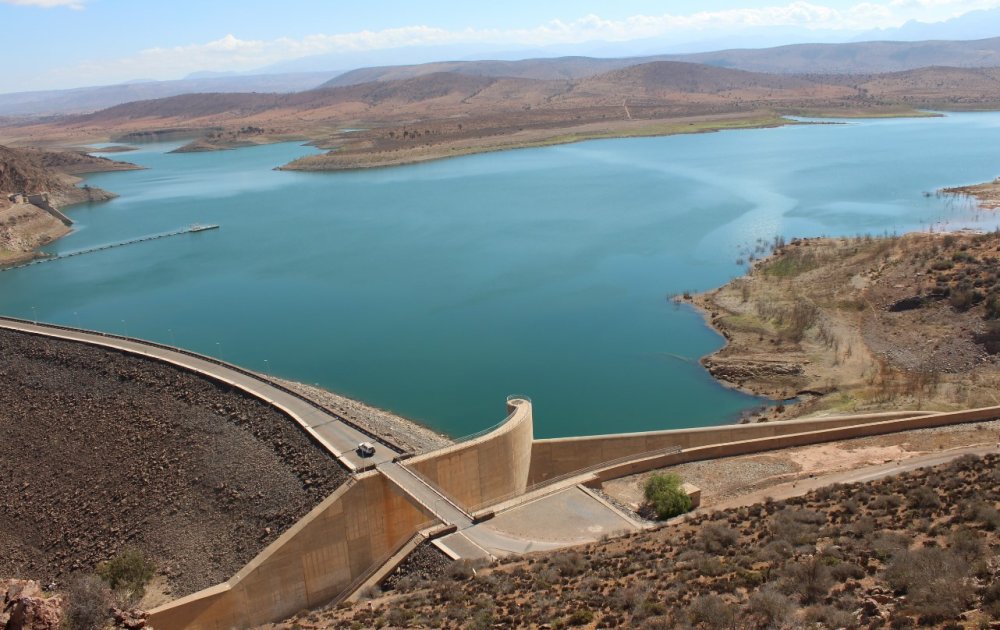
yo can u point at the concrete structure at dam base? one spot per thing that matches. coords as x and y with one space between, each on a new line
368 526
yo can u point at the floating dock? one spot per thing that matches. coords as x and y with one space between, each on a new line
196 227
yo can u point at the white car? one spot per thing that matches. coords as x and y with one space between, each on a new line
366 449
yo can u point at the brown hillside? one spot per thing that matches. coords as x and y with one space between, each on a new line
955 88
695 78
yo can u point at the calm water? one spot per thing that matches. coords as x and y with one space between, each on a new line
435 290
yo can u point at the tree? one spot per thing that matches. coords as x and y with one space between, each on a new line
665 495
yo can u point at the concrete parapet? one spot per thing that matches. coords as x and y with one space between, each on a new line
487 468
559 456
339 542
809 435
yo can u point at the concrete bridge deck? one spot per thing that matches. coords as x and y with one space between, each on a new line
332 432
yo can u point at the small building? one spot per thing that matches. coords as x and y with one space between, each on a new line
17 198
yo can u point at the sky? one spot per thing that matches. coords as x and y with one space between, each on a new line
96 42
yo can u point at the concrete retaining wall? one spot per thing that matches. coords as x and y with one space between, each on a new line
485 469
310 564
558 456
811 436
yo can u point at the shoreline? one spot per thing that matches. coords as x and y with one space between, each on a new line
985 195
854 325
343 158
29 226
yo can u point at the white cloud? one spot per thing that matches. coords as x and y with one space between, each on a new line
46 4
232 53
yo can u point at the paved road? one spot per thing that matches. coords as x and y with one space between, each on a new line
335 435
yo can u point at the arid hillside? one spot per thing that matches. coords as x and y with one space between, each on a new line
916 549
865 324
24 226
441 114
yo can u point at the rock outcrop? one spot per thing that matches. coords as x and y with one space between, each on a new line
26 607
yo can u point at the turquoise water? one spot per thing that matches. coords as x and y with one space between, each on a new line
435 290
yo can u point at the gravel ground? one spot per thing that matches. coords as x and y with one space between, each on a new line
627 509
404 433
101 450
426 563
729 477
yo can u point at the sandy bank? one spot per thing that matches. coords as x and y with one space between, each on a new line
368 149
986 195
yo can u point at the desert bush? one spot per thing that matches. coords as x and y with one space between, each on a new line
934 581
580 617
796 526
127 574
963 297
715 538
665 495
829 617
89 603
711 611
847 571
923 498
988 516
991 599
569 564
810 579
993 305
769 608
966 543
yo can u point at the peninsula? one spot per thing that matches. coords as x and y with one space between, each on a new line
34 185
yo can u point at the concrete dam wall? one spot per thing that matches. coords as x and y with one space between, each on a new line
310 564
485 469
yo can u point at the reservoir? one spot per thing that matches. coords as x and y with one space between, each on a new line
437 289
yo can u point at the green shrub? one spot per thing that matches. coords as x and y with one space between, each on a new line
127 574
665 495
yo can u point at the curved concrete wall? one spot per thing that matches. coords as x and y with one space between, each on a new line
810 436
559 456
310 564
487 468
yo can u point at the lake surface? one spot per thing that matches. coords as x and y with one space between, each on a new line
435 290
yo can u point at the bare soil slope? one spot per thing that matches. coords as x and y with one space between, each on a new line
100 450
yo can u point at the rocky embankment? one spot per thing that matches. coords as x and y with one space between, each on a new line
25 226
103 451
404 433
864 324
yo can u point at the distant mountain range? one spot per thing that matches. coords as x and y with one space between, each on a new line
82 100
851 58
808 59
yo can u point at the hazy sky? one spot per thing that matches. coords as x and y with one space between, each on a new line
91 42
